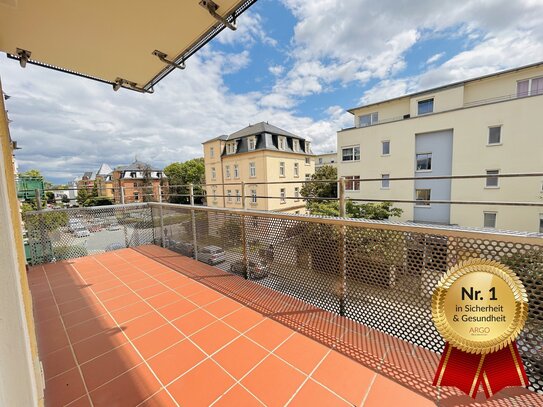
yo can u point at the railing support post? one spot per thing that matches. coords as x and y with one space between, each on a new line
243 194
342 270
244 249
341 194
37 192
161 215
193 220
122 195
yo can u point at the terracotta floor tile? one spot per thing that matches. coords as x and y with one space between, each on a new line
344 376
194 321
113 293
141 325
243 319
105 285
82 315
140 283
121 301
313 394
273 381
45 313
81 402
89 328
240 356
130 312
64 388
57 362
387 393
155 341
152 290
130 389
201 386
189 289
109 365
176 360
269 334
177 309
302 352
160 399
205 297
223 307
238 396
51 339
98 344
214 337
76 305
164 299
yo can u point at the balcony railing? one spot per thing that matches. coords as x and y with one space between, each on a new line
378 273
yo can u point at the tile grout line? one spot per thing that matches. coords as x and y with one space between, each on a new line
129 341
363 402
69 342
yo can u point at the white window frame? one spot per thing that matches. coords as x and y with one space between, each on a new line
352 183
373 119
296 145
229 195
296 194
485 213
308 177
352 148
211 152
214 190
307 147
499 143
307 160
491 177
541 223
253 196
238 196
296 170
252 143
320 160
530 91
383 148
283 195
419 203
385 177
426 99
281 143
227 171
252 169
282 169
213 173
417 160
236 171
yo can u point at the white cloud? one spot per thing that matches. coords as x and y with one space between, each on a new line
249 30
434 58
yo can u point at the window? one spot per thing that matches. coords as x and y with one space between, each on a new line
489 219
282 169
308 147
238 196
541 223
214 194
136 196
385 182
537 86
495 135
253 196
132 175
236 171
281 143
351 183
283 194
307 160
523 88
368 119
422 196
351 153
426 106
252 143
213 173
211 152
296 169
135 184
307 177
424 162
385 147
297 193
492 182
530 87
296 145
320 160
231 147
227 170
229 195
252 170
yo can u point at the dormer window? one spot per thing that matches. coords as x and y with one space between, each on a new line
296 145
158 174
231 147
252 143
308 147
282 142
133 175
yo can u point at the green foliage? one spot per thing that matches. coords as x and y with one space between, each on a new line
32 173
65 199
82 196
230 232
188 172
46 220
376 211
98 201
321 189
323 208
69 252
50 197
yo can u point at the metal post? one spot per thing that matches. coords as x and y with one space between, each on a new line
341 193
122 195
161 215
243 194
37 192
193 216
342 269
244 248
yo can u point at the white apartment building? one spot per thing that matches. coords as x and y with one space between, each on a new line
326 159
488 125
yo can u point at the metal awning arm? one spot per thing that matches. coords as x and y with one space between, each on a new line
162 56
212 7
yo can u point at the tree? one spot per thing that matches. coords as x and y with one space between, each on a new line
82 196
376 211
50 197
321 189
65 199
32 173
181 174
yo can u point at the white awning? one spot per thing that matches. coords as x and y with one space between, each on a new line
113 41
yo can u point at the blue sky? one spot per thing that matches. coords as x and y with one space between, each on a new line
296 64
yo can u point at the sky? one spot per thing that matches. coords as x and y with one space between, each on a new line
297 64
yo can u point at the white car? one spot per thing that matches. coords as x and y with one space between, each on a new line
81 232
212 255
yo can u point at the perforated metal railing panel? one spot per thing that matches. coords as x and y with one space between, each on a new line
381 274
59 234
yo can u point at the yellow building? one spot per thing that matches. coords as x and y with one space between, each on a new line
488 125
244 161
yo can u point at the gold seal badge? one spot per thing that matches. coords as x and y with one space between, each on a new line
479 306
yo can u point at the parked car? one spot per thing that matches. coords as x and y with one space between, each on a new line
114 246
212 255
81 232
94 228
184 248
257 269
114 226
75 224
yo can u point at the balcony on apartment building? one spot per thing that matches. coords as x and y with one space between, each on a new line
190 305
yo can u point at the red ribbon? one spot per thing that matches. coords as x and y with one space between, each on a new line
467 371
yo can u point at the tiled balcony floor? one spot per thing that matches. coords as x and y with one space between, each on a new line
147 327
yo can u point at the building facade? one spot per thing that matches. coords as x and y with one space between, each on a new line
484 126
326 159
241 163
138 182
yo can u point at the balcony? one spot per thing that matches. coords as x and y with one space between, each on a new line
340 316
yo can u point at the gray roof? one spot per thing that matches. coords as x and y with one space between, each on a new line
90 175
256 129
104 170
136 166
